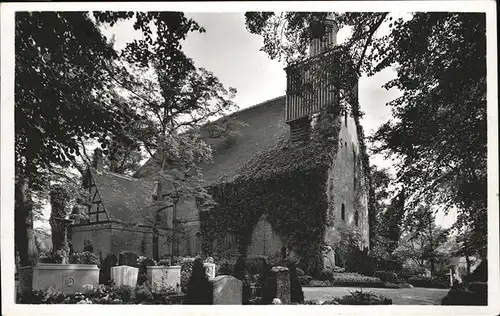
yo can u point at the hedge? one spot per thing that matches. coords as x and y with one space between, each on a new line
429 282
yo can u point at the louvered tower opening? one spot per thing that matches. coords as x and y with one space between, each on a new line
308 93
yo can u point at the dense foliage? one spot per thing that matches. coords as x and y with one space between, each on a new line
101 294
440 128
297 213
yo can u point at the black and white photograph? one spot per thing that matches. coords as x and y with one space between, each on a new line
223 153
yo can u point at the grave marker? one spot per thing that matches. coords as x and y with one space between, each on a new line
227 290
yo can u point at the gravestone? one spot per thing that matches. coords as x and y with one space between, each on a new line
209 269
227 290
162 277
105 275
127 258
328 258
124 276
281 275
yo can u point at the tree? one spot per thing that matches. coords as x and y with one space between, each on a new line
422 241
439 131
59 200
61 98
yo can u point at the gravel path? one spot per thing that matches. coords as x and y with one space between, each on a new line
414 296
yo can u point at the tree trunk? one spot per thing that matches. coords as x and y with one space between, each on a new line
156 246
59 229
432 244
24 234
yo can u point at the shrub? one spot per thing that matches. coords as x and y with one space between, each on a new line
143 292
296 293
239 273
304 280
198 288
47 258
348 279
143 263
325 275
390 285
412 271
364 298
186 268
386 276
300 272
225 267
462 295
479 274
85 257
102 294
48 296
254 265
318 283
429 282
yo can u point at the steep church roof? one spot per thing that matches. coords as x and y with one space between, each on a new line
123 197
262 130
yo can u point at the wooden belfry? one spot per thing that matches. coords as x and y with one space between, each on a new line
307 93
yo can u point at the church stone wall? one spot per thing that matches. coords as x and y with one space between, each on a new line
346 188
98 234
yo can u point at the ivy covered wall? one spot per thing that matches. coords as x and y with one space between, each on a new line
295 205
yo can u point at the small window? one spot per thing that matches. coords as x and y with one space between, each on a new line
356 218
342 212
197 243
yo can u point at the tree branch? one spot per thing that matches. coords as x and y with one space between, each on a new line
368 40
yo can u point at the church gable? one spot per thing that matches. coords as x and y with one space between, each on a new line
118 197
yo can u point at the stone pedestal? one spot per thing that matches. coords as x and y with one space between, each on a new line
163 276
227 290
124 276
281 275
68 278
209 269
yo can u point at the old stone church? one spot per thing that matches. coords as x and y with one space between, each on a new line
275 191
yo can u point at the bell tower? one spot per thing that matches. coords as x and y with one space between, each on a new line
307 93
323 36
